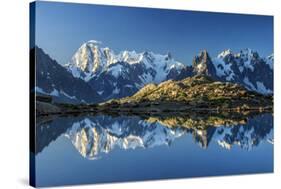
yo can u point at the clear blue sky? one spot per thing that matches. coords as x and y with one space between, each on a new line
61 28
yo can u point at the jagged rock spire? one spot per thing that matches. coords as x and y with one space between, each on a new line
202 64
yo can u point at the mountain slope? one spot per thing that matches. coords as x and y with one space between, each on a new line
53 79
198 92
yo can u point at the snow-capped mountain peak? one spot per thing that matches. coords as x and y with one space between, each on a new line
247 52
92 62
130 57
247 68
93 42
115 75
91 59
224 53
269 60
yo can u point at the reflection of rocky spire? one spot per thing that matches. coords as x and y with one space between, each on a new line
203 137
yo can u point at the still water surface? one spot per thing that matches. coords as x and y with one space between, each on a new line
95 149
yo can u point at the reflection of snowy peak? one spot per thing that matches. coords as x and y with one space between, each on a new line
94 136
247 136
91 137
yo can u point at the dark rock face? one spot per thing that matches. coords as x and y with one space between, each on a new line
174 74
125 84
202 64
55 80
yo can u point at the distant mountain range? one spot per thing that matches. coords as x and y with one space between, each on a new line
246 68
96 73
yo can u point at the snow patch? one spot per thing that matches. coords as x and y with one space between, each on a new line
129 86
223 69
116 70
131 57
146 78
269 61
260 86
94 42
67 95
262 89
224 53
248 64
40 90
116 91
55 92
249 84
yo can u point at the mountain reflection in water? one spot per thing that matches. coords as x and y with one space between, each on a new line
96 136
